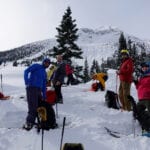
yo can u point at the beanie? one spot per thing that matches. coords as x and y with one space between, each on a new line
125 51
46 60
144 64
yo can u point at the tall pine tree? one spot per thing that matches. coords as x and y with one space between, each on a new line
95 68
122 42
122 45
86 72
67 35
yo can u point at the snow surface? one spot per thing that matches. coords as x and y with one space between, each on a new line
86 116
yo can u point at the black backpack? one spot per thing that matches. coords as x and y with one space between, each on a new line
111 100
46 116
141 114
105 77
73 146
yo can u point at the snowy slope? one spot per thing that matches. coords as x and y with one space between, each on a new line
86 116
96 44
103 42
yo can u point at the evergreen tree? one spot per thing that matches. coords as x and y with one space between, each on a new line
122 42
130 47
122 45
97 67
143 53
92 70
67 35
136 60
86 71
134 55
78 71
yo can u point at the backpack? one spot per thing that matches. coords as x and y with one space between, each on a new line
1 95
46 116
51 96
94 86
105 77
111 100
73 146
141 114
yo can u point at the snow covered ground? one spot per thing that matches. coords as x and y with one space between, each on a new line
86 116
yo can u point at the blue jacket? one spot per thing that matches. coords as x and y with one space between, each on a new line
35 76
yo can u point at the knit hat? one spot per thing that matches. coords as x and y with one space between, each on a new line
144 64
46 60
124 51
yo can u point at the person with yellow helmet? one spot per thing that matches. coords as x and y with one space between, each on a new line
125 75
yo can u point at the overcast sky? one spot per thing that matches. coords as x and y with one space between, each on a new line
25 21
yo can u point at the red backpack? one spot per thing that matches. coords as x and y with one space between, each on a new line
51 97
1 95
94 86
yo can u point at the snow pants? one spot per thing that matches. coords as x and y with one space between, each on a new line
124 91
58 92
146 103
33 98
70 79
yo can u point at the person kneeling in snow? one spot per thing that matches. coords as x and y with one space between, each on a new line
101 78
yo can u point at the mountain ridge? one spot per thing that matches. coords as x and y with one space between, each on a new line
99 43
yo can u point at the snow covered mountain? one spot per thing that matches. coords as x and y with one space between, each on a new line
100 43
103 41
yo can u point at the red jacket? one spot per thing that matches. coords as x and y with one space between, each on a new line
126 70
1 95
68 69
143 88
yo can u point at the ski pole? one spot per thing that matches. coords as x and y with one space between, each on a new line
42 139
134 127
117 99
1 83
116 83
56 111
62 132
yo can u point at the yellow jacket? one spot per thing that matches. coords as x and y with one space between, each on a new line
99 77
50 72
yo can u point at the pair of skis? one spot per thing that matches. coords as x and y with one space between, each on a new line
116 134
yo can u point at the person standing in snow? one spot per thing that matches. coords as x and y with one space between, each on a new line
58 78
69 73
143 86
125 75
35 80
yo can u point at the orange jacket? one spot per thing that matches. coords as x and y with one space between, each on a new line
99 77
